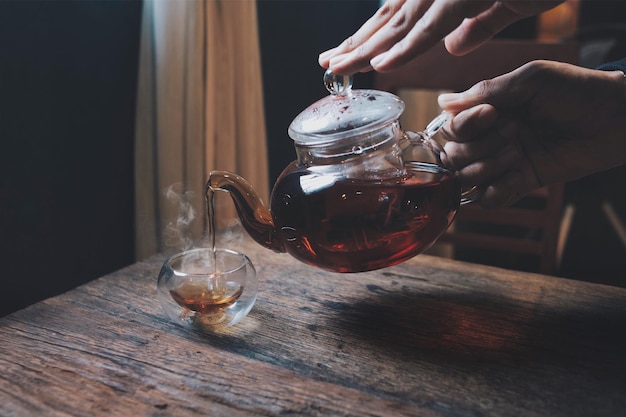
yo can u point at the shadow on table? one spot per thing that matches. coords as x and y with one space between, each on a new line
455 326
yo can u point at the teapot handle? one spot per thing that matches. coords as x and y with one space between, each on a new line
436 124
474 193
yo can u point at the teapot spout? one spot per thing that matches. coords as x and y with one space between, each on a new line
254 215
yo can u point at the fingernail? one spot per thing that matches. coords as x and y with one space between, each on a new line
378 60
337 60
448 98
325 55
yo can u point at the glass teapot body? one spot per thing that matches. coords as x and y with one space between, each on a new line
361 195
371 210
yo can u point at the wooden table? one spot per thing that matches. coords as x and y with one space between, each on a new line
431 337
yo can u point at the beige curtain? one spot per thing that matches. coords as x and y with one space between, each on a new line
200 108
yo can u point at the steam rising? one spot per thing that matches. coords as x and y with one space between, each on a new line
178 231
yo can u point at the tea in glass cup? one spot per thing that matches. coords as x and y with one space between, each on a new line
206 289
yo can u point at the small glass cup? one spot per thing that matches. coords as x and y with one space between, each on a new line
206 289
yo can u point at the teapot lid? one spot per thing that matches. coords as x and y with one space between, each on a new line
345 113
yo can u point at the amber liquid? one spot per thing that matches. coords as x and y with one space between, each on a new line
210 296
353 226
199 298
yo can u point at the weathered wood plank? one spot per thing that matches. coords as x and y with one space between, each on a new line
430 337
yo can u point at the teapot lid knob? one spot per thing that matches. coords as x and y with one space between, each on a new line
337 85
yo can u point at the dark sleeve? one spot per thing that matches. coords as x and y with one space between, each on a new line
616 65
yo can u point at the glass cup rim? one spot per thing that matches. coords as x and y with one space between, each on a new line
244 260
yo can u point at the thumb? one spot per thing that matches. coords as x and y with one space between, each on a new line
506 91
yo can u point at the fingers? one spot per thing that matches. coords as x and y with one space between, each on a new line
505 177
495 162
468 137
460 155
389 24
473 32
438 21
402 29
507 91
370 27
399 31
399 21
471 123
485 151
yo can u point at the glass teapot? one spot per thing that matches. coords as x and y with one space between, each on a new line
362 194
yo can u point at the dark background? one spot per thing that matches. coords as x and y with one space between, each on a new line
68 73
594 251
68 76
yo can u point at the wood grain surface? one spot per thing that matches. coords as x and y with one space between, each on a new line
430 337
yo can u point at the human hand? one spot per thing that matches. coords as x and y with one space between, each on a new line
545 122
402 29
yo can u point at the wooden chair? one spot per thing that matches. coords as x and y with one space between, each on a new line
541 212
